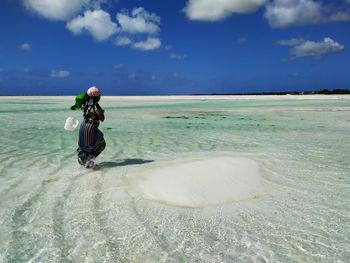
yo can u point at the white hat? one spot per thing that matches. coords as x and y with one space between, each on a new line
93 92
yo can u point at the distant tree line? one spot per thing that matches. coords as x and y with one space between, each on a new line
335 91
324 91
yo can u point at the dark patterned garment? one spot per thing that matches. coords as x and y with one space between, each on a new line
91 141
91 111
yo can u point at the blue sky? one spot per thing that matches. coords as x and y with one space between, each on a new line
138 47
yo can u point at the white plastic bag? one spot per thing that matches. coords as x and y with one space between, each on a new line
71 124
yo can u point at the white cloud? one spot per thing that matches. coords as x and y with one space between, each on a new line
122 41
150 44
339 17
98 23
55 9
154 78
175 74
140 21
26 70
176 56
287 13
315 50
168 47
241 40
60 74
95 4
62 9
209 10
294 74
1 70
291 42
119 66
132 76
293 13
25 47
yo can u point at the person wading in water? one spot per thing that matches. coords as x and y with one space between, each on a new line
91 142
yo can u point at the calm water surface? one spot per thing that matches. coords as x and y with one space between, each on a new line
51 210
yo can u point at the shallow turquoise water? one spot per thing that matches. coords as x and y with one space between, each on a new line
53 211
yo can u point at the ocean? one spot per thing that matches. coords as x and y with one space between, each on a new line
53 210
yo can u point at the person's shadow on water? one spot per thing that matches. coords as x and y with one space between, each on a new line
123 163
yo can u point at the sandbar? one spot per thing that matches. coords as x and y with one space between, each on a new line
199 183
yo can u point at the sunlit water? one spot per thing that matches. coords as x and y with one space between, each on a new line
51 210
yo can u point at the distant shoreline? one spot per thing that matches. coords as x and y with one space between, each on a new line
196 97
323 92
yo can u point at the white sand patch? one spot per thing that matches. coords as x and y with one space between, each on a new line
201 183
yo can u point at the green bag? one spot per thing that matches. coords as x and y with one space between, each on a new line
79 100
